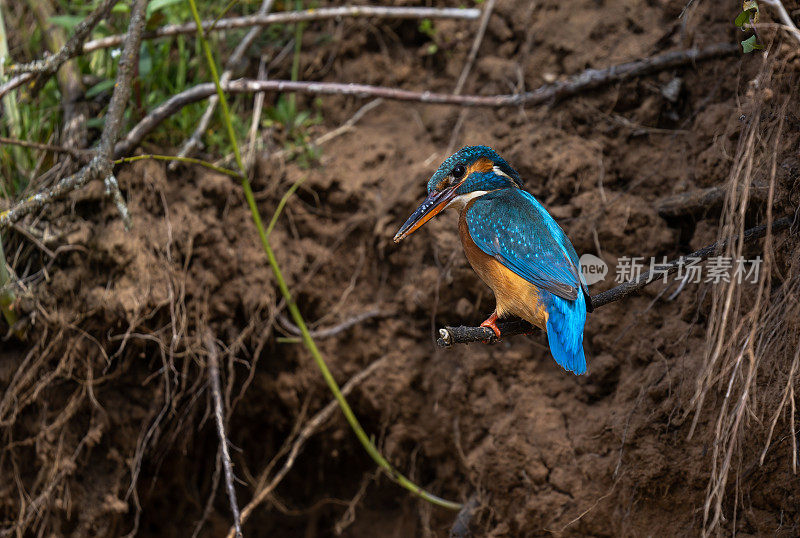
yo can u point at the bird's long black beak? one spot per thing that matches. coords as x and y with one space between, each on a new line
429 208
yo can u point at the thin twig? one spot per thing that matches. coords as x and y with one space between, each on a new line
290 17
346 126
548 93
699 202
185 160
460 527
80 154
476 45
216 392
305 434
464 335
336 329
195 141
46 67
462 79
784 16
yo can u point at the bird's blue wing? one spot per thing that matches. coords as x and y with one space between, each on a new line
514 228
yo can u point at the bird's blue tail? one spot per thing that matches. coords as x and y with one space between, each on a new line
565 331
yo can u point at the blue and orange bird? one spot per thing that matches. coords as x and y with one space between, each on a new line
514 245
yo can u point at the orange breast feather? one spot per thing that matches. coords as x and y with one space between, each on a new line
515 296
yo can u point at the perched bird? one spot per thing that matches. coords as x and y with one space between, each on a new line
514 245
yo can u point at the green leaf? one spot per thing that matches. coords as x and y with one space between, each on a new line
742 19
66 21
145 62
750 44
99 88
157 5
95 123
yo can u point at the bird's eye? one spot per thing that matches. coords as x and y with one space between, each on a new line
458 171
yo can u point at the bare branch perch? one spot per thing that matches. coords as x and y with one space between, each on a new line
464 335
233 23
216 393
548 93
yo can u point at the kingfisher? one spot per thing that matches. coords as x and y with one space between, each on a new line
514 246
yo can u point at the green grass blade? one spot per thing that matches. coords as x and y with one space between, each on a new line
6 291
368 445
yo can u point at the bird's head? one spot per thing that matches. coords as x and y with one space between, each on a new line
470 172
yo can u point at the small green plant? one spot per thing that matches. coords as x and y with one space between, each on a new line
427 28
295 125
746 21
7 297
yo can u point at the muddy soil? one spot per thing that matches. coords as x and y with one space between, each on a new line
110 392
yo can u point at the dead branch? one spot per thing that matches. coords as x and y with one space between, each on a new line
100 167
589 79
216 393
460 527
305 434
289 17
784 16
548 93
700 202
464 335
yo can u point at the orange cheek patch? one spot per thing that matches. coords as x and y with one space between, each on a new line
481 165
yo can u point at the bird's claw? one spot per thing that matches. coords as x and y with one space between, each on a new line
491 323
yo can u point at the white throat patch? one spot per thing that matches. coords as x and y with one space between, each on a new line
460 201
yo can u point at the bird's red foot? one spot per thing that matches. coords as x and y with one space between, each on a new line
491 322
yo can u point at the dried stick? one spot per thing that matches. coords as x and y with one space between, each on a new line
46 67
194 142
462 79
305 434
784 16
460 527
699 202
290 17
100 167
336 329
464 335
80 154
216 392
548 93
